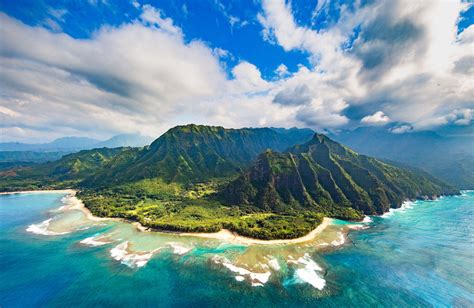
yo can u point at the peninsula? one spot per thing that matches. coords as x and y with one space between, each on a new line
262 183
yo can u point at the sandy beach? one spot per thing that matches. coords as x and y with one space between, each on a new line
73 203
229 236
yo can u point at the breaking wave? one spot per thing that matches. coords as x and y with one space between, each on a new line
94 241
273 263
178 249
340 240
367 219
132 260
256 279
405 205
42 228
309 273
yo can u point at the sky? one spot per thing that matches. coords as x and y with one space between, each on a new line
99 68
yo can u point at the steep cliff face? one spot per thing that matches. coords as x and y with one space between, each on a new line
271 183
326 176
197 153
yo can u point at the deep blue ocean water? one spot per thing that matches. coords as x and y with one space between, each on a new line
418 257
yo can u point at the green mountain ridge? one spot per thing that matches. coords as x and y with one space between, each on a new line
71 168
261 182
197 153
325 176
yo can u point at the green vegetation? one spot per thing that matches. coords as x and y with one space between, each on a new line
324 176
196 153
273 226
65 172
172 207
202 179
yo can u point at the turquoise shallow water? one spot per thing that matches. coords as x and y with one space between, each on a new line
420 256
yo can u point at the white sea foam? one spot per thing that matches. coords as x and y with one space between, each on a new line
256 279
121 253
240 270
256 284
273 263
309 273
94 241
178 249
61 208
310 264
367 219
260 277
357 227
340 240
67 201
42 228
405 205
83 228
239 278
388 214
310 277
291 260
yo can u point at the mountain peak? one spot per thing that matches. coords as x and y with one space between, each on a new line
195 128
199 152
324 175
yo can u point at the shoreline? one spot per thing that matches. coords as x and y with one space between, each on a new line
227 235
73 203
45 191
223 235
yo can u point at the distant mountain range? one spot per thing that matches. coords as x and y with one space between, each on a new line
450 158
16 154
74 144
262 182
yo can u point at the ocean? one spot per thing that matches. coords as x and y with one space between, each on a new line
419 256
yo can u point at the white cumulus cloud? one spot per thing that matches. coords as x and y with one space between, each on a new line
406 60
377 118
